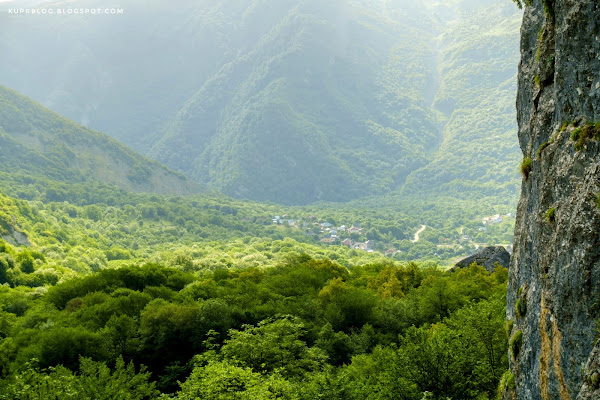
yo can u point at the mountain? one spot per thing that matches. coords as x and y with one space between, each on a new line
315 110
289 101
39 146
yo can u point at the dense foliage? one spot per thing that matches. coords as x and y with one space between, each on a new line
299 329
206 297
135 299
215 231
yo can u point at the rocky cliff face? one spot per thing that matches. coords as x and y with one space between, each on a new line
554 288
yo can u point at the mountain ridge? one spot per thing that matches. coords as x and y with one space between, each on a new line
39 142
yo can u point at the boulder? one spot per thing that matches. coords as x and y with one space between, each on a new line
487 258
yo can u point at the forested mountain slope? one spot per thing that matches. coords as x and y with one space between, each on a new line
478 57
289 101
319 96
47 152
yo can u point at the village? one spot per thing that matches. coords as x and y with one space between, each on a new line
353 237
330 234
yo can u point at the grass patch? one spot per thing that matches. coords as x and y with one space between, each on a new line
541 148
509 326
575 134
582 134
549 9
526 167
506 382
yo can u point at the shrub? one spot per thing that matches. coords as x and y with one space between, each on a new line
581 134
26 262
506 382
516 343
550 215
526 167
8 260
595 380
520 3
576 134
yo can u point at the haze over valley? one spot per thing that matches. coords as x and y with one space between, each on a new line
290 102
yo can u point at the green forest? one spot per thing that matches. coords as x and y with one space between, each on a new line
300 328
200 297
94 188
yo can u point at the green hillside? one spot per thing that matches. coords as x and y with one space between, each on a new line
50 159
290 101
44 152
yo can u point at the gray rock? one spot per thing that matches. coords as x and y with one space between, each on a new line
591 382
487 258
16 238
555 265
